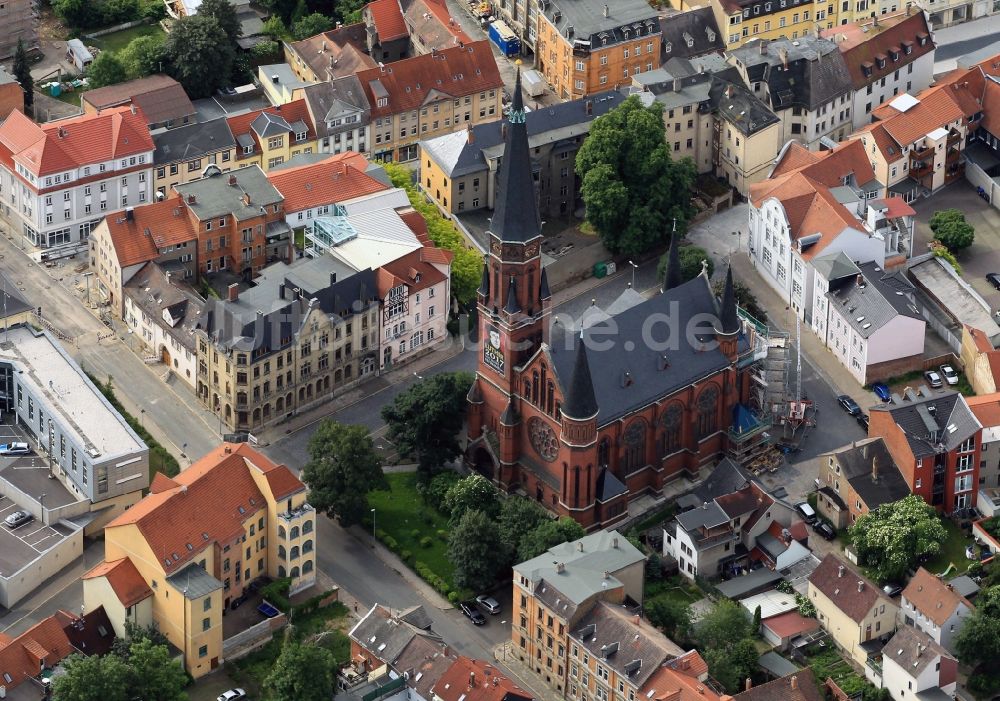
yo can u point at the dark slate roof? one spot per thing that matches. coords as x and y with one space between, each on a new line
580 400
609 634
585 20
913 650
690 34
515 213
806 72
385 635
329 99
739 106
563 120
858 461
626 379
729 321
672 275
726 478
11 302
609 486
800 686
91 634
192 141
874 299
927 422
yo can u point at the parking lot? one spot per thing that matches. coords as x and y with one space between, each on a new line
22 545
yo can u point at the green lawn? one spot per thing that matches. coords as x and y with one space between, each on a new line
116 41
676 588
952 551
400 513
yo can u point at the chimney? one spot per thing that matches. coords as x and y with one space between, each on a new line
748 684
132 107
233 293
246 199
232 180
607 575
763 47
614 542
560 567
861 586
607 11
472 679
470 137
227 449
275 79
783 53
281 291
840 571
875 469
589 106
192 199
794 683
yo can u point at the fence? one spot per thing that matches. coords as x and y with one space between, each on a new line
116 28
245 642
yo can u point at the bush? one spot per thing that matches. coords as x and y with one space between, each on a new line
433 493
276 593
406 555
442 535
951 229
453 597
426 541
391 543
415 534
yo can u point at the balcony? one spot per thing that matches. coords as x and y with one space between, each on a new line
954 137
921 152
919 169
296 514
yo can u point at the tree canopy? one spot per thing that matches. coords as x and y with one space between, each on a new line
311 25
106 69
472 493
547 534
200 55
519 516
891 540
92 678
342 469
744 297
155 675
632 188
472 550
301 673
144 670
725 636
143 56
22 73
951 229
425 420
978 640
690 258
224 13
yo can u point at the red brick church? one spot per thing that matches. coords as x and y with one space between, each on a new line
586 418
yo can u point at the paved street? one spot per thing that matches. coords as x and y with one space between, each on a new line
960 39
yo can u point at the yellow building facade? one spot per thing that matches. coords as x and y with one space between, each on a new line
742 20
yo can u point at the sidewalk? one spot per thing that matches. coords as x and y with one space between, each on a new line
506 656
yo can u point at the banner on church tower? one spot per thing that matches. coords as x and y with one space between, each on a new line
493 349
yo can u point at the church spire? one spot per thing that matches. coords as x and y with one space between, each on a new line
515 214
673 275
512 306
581 403
730 322
484 283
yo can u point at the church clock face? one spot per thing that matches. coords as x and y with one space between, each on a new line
543 439
531 250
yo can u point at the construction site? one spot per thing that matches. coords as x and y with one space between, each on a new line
19 19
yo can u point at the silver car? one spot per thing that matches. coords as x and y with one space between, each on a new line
17 519
15 448
488 603
232 695
949 374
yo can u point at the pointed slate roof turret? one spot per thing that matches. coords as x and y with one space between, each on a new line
509 417
512 306
672 278
730 322
543 287
515 213
581 403
484 284
475 395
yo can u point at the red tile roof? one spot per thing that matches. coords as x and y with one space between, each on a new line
339 178
935 108
71 143
412 82
935 599
790 624
842 589
388 18
125 580
680 679
22 657
986 408
417 224
407 270
861 42
991 107
431 25
474 680
213 499
160 97
291 112
152 227
339 52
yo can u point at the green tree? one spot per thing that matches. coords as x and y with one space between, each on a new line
744 297
155 675
199 54
300 11
518 516
472 550
978 641
690 258
631 187
670 615
311 25
105 70
891 539
731 665
723 625
548 534
81 14
135 633
755 626
342 469
225 14
22 73
472 493
301 673
951 229
726 637
116 11
434 491
92 678
143 56
425 420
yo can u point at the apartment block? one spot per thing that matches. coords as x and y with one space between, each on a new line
856 479
330 55
588 46
58 180
271 136
183 154
341 113
162 100
424 96
743 20
204 536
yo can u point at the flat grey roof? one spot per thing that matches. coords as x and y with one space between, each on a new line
215 197
67 392
756 581
777 665
954 294
194 582
20 547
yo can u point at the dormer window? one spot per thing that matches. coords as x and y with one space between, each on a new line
907 49
894 55
880 61
300 136
248 148
746 13
922 38
383 101
668 47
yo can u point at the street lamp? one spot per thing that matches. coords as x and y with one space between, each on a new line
373 525
142 416
634 266
419 377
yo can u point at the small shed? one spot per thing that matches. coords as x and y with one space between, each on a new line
78 54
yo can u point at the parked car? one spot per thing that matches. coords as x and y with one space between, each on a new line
227 91
15 448
808 513
473 613
488 603
862 420
933 379
882 391
17 519
993 279
949 374
892 590
849 405
232 695
825 530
